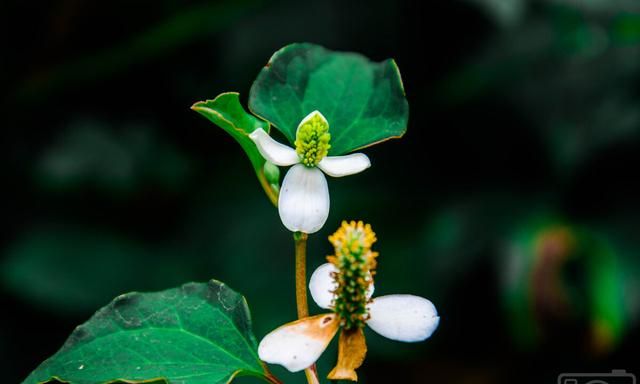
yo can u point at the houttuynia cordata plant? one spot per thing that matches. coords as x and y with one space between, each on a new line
326 105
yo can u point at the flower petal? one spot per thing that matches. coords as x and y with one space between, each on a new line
322 285
403 317
273 151
304 199
309 117
299 344
371 287
352 349
338 166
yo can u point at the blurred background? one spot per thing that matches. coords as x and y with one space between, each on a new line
512 202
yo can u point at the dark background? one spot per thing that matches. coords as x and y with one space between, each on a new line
511 202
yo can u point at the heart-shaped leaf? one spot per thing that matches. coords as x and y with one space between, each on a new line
363 101
226 112
199 333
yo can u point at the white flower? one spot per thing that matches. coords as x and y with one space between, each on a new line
405 318
303 203
299 344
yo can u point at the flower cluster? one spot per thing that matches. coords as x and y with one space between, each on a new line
356 263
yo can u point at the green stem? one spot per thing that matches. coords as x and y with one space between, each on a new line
271 192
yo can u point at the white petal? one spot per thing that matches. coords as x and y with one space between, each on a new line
322 285
299 344
309 116
403 317
273 151
338 166
371 289
304 199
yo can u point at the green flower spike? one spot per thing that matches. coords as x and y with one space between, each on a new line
312 139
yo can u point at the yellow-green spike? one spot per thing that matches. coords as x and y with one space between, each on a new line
356 265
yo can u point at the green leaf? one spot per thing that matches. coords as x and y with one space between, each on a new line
195 334
363 101
226 112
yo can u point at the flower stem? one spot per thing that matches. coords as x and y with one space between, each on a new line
272 379
269 189
312 375
301 292
269 376
301 274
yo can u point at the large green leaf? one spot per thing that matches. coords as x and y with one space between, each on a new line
226 112
199 333
363 101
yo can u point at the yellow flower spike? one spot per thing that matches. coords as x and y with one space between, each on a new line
355 263
352 349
